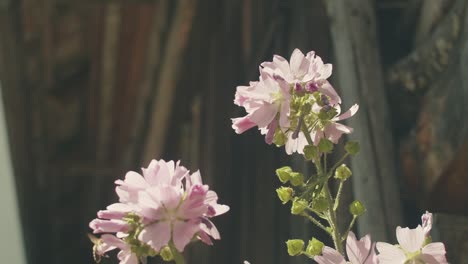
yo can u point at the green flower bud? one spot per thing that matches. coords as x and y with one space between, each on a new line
343 172
296 179
325 145
279 138
284 174
295 246
356 208
311 152
166 254
298 206
352 147
320 204
314 247
285 194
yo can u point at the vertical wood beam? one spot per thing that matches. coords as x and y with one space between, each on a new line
108 71
359 73
166 86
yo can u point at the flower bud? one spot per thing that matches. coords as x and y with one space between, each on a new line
325 145
356 208
166 254
311 152
320 204
296 178
343 172
285 194
298 206
314 247
295 246
284 174
352 147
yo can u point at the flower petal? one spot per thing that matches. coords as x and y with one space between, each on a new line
357 251
411 240
156 235
436 251
298 64
390 254
183 232
330 256
242 124
348 113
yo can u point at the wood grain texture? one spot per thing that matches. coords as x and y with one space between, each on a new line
359 75
160 112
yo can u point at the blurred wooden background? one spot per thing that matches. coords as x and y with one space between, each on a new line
94 88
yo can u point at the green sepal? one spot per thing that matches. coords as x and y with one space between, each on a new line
352 147
325 145
314 247
295 246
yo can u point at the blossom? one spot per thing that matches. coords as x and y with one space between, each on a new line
302 71
165 206
358 252
266 103
411 248
292 97
178 214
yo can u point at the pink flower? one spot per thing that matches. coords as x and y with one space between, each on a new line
163 207
358 252
266 103
158 172
411 249
302 70
174 213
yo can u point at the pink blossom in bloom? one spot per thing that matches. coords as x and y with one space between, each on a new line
358 252
164 206
301 71
266 103
134 182
173 213
411 249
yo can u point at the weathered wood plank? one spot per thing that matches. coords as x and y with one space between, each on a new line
359 73
433 153
164 97
108 80
147 84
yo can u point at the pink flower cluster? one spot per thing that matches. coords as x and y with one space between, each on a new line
414 247
166 206
271 102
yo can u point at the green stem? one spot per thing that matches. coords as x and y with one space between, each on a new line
333 223
306 132
345 235
332 216
316 222
178 257
337 164
338 196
